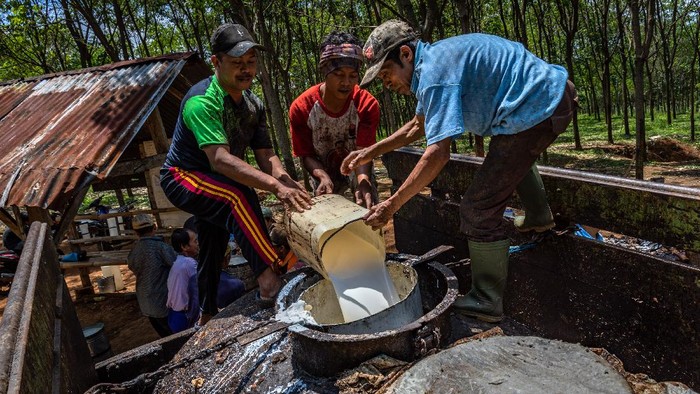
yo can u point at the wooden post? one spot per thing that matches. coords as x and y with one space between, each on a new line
154 125
155 128
67 225
120 197
37 214
20 222
9 221
68 215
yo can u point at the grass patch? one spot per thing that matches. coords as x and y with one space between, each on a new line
109 199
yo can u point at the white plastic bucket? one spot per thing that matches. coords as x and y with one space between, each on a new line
332 220
84 230
106 285
113 270
115 224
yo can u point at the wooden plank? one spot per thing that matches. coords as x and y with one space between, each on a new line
120 196
152 182
9 221
111 238
37 214
137 166
133 180
20 222
83 265
42 344
154 125
127 213
68 215
161 201
85 281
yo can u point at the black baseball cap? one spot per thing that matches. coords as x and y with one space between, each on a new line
233 40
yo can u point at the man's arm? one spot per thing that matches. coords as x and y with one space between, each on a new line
222 161
428 167
272 178
363 194
271 164
408 133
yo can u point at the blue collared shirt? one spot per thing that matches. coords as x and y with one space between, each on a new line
483 84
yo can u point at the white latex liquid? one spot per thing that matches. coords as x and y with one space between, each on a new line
297 312
359 275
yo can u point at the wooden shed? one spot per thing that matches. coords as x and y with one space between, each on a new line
107 127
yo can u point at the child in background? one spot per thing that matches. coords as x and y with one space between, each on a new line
150 260
183 304
267 215
230 287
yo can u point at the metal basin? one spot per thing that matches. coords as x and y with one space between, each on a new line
326 309
321 352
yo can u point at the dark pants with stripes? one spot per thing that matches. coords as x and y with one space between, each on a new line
508 161
222 207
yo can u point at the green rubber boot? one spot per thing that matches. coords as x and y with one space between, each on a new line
538 217
489 261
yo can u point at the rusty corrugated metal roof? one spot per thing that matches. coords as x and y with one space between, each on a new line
62 131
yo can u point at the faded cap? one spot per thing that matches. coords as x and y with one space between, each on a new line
381 41
233 40
141 220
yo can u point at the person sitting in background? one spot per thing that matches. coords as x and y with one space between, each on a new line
278 236
230 287
267 215
12 241
150 260
183 300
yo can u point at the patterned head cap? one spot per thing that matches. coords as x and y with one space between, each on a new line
383 39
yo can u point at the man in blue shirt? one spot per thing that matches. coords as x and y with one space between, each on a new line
488 86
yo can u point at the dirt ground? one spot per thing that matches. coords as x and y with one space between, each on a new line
671 162
126 328
124 325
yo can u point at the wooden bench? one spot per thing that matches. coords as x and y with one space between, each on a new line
99 258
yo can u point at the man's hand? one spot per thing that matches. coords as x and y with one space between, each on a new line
287 180
354 160
363 194
380 214
325 186
293 198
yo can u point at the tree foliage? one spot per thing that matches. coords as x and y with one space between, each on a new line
627 57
